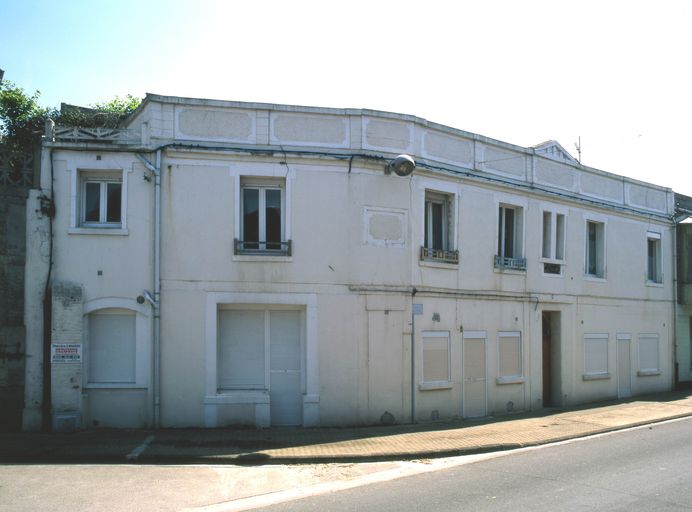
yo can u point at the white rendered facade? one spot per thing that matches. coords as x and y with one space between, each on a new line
535 284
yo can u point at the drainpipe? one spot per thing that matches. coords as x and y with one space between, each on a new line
156 303
676 375
157 291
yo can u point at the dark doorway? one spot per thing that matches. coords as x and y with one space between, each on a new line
551 359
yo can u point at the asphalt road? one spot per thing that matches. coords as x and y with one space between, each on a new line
645 469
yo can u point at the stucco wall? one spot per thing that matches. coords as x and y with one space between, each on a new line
356 235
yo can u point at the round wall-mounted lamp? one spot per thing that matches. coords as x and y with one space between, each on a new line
403 165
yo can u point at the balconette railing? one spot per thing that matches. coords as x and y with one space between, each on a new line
510 263
262 248
441 255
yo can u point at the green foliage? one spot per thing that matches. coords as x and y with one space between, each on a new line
121 106
98 115
22 119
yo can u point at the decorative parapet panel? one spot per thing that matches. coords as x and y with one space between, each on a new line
78 134
546 168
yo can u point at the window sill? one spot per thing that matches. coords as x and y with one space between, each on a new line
438 264
596 376
648 373
501 381
113 385
654 284
433 386
594 279
98 231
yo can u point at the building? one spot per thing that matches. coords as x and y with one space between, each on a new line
220 263
683 332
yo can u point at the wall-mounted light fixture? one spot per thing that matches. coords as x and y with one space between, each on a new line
403 165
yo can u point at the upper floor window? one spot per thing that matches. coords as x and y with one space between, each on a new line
653 258
262 218
439 228
98 201
509 238
101 200
595 249
553 251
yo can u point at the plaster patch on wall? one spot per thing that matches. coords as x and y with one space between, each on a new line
556 174
316 130
600 186
646 197
504 161
449 149
393 135
385 227
215 124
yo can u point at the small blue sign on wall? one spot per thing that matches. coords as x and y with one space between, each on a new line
418 309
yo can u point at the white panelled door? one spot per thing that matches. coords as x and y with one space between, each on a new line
285 386
474 404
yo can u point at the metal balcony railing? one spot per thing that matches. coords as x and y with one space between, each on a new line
510 263
441 255
262 248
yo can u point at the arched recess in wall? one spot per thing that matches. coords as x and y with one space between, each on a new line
117 344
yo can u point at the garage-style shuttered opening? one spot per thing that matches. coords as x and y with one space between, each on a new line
262 349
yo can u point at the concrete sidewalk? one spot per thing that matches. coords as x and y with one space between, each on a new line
296 445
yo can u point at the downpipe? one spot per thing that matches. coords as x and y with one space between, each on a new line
155 301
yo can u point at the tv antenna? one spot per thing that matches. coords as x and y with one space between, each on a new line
577 145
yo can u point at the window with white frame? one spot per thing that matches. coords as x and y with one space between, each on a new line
595 249
596 355
436 357
553 250
509 238
510 354
112 347
653 258
101 199
262 217
648 354
439 228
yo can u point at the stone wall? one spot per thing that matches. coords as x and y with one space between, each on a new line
16 177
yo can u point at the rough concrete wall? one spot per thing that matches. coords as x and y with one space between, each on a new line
66 378
12 349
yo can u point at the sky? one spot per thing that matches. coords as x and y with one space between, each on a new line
616 75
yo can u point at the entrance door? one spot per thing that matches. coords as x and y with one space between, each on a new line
285 386
552 380
624 366
474 374
547 401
